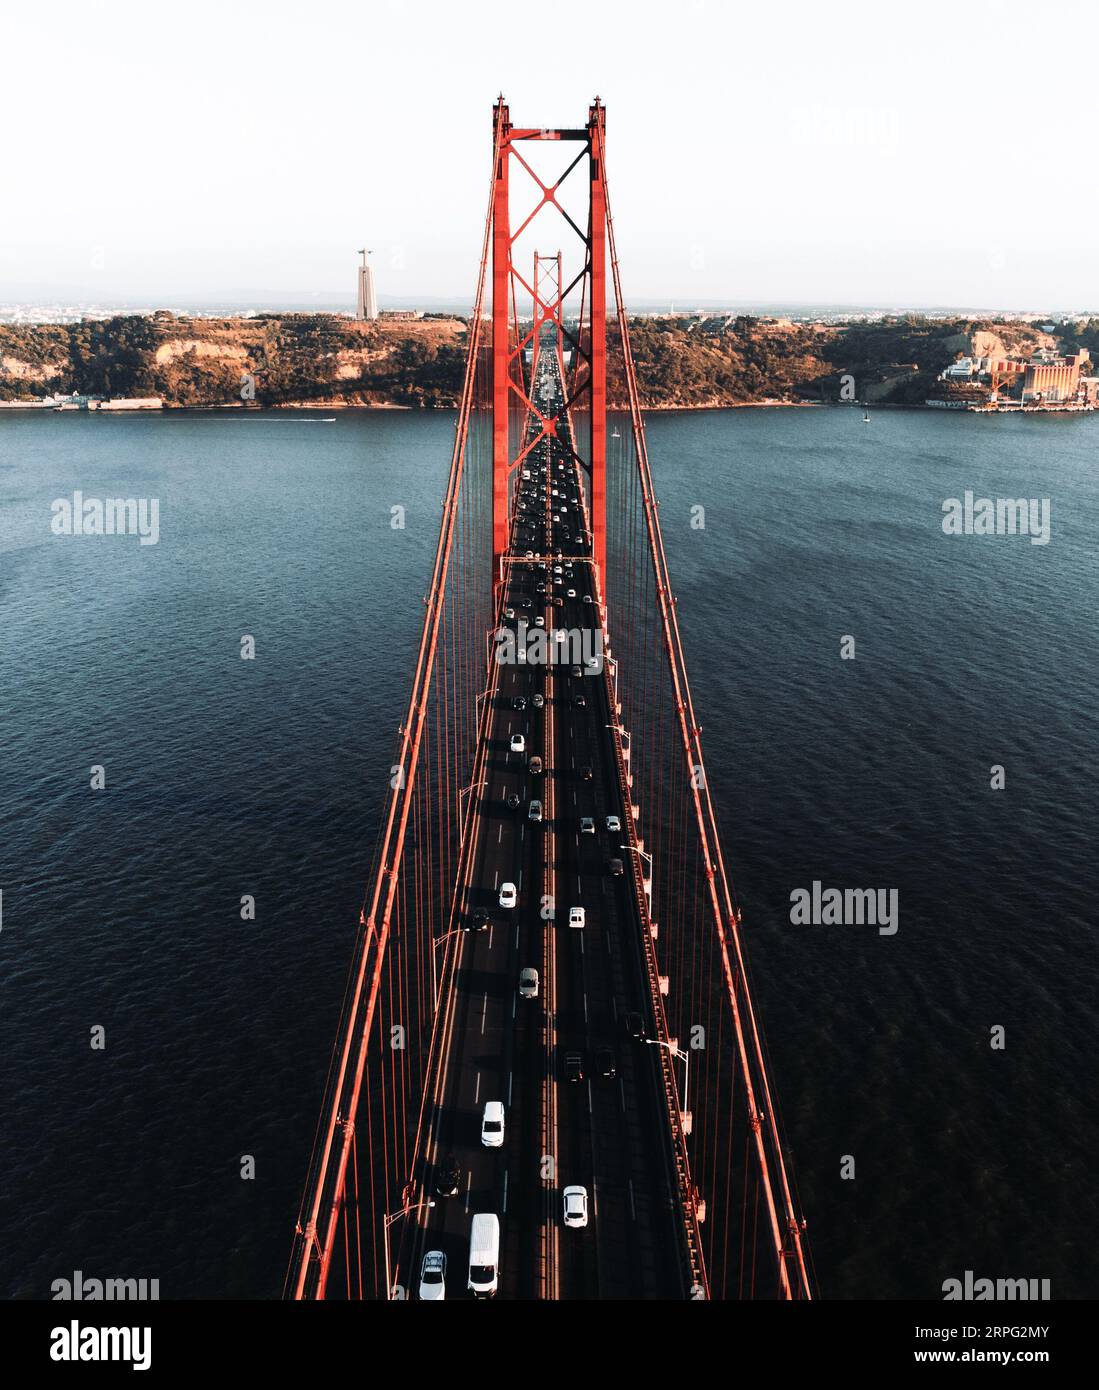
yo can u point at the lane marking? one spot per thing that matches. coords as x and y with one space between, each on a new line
484 1011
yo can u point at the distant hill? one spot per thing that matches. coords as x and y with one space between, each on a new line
325 359
310 358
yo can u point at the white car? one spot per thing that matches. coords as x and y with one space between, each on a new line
576 1206
587 598
433 1277
535 812
576 916
572 593
508 896
518 743
539 621
492 1125
528 983
509 613
614 825
587 825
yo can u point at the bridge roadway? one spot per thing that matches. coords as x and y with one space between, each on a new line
606 1133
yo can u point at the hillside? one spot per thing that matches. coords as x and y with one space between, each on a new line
323 359
315 358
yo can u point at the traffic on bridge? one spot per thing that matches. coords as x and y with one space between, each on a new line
549 1080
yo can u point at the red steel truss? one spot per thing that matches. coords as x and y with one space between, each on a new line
498 382
509 343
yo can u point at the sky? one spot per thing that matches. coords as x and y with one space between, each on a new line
868 153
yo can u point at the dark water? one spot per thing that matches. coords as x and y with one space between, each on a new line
121 908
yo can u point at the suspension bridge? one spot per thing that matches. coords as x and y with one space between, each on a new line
549 1079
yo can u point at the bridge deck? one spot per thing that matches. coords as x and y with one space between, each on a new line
607 1134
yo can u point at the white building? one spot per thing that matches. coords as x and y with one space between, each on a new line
367 305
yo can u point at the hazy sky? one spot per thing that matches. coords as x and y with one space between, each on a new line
934 154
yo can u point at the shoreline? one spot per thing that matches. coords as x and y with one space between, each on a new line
153 406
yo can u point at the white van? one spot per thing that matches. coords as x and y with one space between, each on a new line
484 1254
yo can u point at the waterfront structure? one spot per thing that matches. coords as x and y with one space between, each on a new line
1053 379
367 303
994 381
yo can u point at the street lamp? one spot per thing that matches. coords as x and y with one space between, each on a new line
628 749
473 787
648 882
685 1058
436 943
613 664
386 1223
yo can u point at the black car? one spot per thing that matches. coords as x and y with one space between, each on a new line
615 868
605 1064
519 702
513 801
634 1027
580 702
448 1178
480 921
585 771
574 1066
